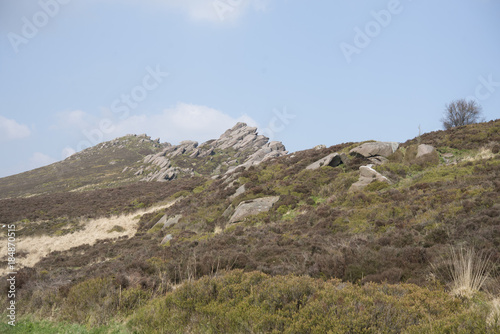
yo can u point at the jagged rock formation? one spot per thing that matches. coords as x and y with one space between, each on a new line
238 146
270 150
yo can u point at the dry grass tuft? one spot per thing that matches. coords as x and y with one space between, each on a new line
469 271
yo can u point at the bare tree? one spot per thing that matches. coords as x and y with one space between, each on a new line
461 112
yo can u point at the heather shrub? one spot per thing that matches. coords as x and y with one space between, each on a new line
238 302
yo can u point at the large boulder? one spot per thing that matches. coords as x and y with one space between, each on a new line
367 175
374 149
424 149
332 160
253 207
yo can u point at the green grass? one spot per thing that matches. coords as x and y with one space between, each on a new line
27 325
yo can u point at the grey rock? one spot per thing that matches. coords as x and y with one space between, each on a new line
367 175
249 149
424 149
238 192
161 221
166 239
253 207
332 160
378 160
228 212
372 149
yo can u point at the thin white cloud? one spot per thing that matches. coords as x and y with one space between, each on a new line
182 122
212 10
11 130
72 119
39 159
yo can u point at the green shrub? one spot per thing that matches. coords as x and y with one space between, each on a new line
92 302
240 302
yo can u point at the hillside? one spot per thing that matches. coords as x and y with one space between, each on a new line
237 235
136 158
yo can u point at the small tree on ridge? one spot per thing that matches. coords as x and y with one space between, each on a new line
461 112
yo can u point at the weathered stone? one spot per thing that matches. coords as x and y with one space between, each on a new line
245 144
165 221
367 175
319 147
378 160
253 207
238 192
372 149
228 212
166 239
424 149
332 160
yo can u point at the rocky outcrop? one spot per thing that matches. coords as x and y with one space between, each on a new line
367 175
246 148
240 136
253 207
166 221
270 150
332 160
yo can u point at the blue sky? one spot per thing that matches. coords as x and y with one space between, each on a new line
75 72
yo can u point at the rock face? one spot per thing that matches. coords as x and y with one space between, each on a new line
332 160
238 192
367 175
246 146
424 149
165 221
253 207
374 149
270 150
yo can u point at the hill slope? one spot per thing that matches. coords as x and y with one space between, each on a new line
294 214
